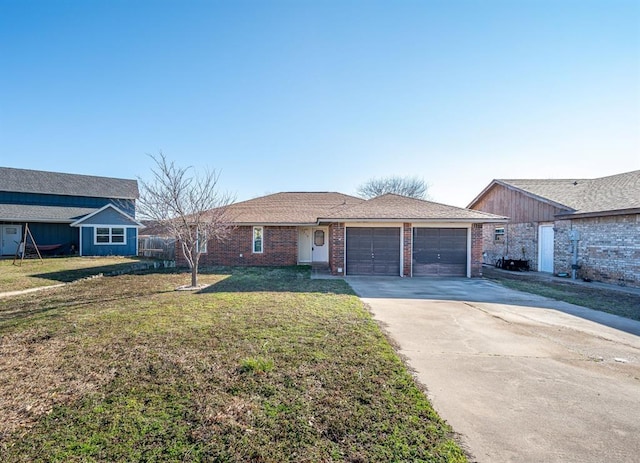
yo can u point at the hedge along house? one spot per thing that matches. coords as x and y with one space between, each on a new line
388 235
68 213
602 215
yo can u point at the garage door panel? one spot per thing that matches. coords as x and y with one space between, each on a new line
373 251
439 252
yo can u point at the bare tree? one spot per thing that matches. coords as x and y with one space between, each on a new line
188 205
413 187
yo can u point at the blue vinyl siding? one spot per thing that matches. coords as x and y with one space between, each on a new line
108 217
91 249
55 233
7 197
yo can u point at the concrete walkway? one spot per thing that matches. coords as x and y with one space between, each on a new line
522 378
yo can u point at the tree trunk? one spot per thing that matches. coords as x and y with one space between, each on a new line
194 275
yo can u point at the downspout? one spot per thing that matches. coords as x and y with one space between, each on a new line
574 236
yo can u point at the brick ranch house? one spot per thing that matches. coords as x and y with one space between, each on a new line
387 235
544 215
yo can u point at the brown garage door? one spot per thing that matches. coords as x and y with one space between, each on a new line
439 252
373 251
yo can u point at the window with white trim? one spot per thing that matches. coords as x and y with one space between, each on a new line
498 235
110 235
201 244
258 233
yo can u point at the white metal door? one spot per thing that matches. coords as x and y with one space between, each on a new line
10 236
545 249
304 245
319 245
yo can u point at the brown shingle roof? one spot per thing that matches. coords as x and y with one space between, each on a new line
396 208
293 208
586 196
308 208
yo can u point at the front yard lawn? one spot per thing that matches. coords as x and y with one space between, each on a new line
624 304
53 270
262 366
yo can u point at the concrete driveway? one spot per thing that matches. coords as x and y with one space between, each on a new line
522 378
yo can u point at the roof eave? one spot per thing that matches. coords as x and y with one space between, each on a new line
586 215
416 219
38 220
273 224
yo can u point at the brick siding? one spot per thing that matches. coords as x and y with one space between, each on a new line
520 241
280 248
608 249
336 248
476 250
407 235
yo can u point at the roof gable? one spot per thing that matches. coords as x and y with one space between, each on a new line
579 196
36 181
108 215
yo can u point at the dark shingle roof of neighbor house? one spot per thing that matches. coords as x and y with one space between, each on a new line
308 208
36 181
619 192
50 214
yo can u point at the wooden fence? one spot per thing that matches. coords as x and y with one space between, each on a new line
157 247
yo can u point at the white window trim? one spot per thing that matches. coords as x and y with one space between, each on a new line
110 227
201 249
253 240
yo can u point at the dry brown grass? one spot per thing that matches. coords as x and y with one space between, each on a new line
261 366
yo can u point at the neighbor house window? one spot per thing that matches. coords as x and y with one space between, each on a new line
498 235
110 235
257 239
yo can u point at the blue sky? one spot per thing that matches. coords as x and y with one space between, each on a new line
323 95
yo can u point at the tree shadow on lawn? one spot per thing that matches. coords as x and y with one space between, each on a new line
296 279
55 305
67 276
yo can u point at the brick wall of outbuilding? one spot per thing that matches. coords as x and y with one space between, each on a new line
520 241
608 249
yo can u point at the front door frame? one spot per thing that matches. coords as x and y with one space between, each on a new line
5 247
320 253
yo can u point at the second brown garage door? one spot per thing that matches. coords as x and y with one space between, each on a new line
373 251
439 252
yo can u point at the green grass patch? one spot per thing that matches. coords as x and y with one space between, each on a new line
32 273
279 368
257 365
602 299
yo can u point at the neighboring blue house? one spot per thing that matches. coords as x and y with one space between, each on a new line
68 213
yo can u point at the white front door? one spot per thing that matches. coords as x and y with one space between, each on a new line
319 245
10 236
545 248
